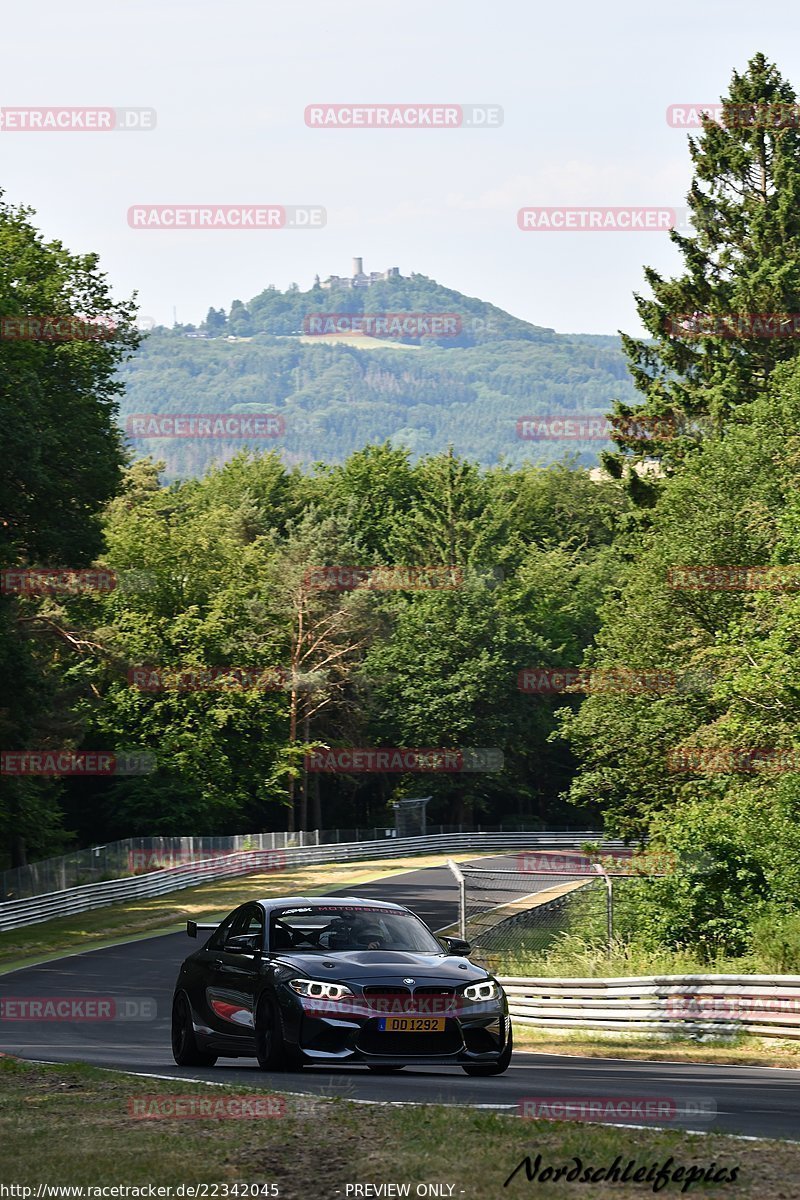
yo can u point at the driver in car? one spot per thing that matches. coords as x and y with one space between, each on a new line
357 933
369 935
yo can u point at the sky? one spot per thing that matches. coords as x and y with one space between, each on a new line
583 87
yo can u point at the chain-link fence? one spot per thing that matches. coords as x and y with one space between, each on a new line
516 915
509 913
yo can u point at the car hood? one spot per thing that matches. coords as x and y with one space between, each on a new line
368 966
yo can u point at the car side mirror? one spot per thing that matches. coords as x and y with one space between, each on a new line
456 946
242 943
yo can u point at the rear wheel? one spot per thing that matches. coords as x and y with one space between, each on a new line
383 1069
495 1068
185 1049
271 1050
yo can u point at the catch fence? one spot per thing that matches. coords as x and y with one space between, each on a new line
515 913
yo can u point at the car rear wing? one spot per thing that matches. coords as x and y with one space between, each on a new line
192 928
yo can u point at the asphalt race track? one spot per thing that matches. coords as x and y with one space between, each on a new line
758 1101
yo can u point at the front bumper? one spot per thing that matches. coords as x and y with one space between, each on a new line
466 1038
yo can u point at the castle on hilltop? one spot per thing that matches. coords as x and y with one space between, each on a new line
358 279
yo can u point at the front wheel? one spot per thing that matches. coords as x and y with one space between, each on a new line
271 1050
185 1049
495 1068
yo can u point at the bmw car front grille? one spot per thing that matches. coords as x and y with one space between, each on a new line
371 1040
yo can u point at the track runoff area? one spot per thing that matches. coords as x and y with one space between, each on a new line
140 975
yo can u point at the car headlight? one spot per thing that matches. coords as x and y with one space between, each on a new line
319 990
489 990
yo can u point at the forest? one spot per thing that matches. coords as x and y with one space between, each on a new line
460 585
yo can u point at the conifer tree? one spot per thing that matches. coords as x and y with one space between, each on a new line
713 343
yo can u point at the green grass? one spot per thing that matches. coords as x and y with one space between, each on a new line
573 942
72 1125
569 955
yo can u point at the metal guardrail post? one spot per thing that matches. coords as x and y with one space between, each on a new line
609 905
462 898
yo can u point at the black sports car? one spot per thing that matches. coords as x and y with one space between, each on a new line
336 980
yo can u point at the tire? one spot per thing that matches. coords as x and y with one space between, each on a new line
271 1050
383 1069
185 1049
495 1068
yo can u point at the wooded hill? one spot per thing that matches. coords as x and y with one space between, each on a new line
425 393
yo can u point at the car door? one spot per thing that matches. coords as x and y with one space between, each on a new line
232 978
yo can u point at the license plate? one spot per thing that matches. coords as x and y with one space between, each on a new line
411 1024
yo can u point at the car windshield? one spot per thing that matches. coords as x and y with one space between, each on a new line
349 928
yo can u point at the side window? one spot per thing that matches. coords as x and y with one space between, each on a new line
255 925
250 921
218 938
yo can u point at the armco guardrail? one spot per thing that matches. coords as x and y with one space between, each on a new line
133 855
665 1005
15 914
